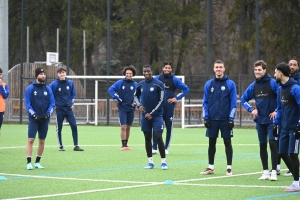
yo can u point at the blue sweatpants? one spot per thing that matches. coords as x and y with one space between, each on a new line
70 117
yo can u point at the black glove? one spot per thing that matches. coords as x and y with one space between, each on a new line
37 118
230 124
297 133
43 117
275 130
206 123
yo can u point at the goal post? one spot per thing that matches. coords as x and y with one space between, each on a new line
115 78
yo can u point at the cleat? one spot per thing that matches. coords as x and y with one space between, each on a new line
207 171
288 173
264 177
125 149
277 172
273 177
77 148
164 166
292 188
228 172
29 166
167 152
61 148
154 151
149 166
38 165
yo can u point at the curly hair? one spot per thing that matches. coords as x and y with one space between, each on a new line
131 67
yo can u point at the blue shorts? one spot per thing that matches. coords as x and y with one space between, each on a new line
287 142
156 123
215 126
264 131
126 117
41 128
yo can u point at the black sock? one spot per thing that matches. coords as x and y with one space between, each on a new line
28 159
124 143
38 158
264 155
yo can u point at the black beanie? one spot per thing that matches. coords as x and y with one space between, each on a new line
38 71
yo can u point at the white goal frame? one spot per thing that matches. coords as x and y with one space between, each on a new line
183 125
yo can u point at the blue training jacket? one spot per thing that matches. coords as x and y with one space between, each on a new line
178 84
219 100
39 99
64 93
123 92
152 95
264 106
296 77
288 115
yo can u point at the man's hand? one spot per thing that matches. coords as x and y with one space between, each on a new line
206 123
171 100
37 118
43 117
297 133
148 116
230 124
275 130
141 108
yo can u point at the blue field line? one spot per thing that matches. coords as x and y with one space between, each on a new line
234 153
274 196
128 167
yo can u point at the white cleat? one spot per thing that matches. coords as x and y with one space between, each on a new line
265 177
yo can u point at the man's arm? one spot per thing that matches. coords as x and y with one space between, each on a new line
161 93
4 91
27 99
205 100
113 91
233 100
182 86
247 96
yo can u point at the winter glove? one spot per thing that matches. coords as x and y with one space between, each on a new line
37 118
275 130
297 133
206 123
43 117
230 124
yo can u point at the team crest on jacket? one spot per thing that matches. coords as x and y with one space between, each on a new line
152 89
223 88
59 89
68 87
212 89
123 87
131 87
35 92
45 93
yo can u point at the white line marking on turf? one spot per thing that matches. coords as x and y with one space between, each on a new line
79 179
220 185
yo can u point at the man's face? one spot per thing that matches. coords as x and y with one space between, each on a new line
128 74
167 69
278 76
41 77
293 66
61 75
219 70
147 73
1 75
259 72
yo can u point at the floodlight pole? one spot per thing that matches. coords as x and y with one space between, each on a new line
68 36
108 57
257 30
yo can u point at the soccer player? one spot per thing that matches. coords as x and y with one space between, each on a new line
288 114
64 94
122 91
39 101
152 94
219 110
264 91
171 83
4 93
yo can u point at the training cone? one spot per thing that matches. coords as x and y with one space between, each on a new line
169 182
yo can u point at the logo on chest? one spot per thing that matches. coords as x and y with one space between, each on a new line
152 89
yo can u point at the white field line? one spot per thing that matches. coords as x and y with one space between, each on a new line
145 184
117 145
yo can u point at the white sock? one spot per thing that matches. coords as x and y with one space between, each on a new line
266 171
211 167
274 172
150 159
228 166
163 160
278 167
296 183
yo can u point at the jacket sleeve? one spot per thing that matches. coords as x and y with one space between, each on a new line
233 100
4 91
52 101
182 86
161 92
73 91
278 109
27 99
247 96
114 90
137 95
205 100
